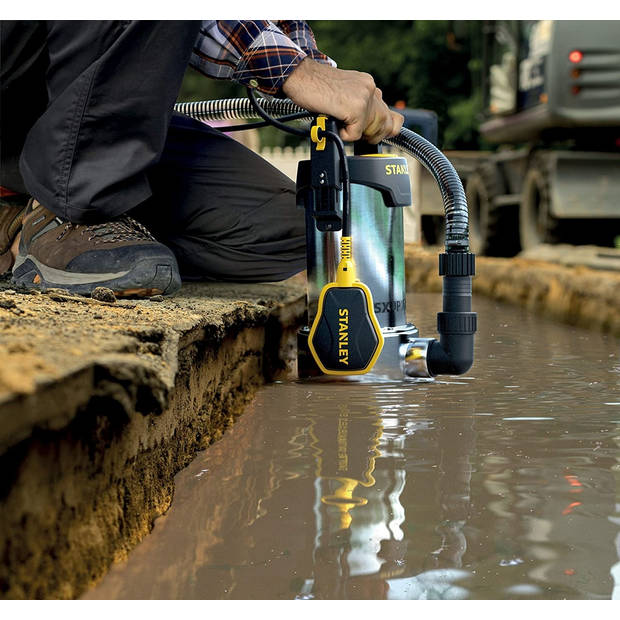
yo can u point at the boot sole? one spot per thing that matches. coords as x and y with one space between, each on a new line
147 277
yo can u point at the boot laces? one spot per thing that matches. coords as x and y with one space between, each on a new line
124 228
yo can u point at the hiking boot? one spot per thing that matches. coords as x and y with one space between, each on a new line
120 254
12 207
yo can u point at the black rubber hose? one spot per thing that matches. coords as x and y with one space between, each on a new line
241 107
450 186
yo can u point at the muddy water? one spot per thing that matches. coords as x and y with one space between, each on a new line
501 484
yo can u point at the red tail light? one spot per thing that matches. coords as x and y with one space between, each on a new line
575 56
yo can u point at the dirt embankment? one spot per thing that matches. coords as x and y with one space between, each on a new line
576 295
101 404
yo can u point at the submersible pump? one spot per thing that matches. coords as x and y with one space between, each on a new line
365 193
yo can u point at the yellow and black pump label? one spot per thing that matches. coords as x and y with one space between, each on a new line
345 337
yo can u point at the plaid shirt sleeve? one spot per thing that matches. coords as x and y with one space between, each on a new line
300 33
254 53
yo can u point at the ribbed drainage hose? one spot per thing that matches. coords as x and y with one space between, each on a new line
225 109
450 186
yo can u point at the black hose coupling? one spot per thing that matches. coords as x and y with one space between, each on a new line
457 264
453 354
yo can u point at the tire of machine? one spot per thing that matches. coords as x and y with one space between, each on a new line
493 230
536 224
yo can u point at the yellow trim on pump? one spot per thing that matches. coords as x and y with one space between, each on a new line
346 252
314 133
346 278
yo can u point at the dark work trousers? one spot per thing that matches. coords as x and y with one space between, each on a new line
225 212
86 110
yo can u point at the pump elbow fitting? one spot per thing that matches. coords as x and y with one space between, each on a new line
452 355
457 324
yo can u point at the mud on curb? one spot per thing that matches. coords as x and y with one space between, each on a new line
101 404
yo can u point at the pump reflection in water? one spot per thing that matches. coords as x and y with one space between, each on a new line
342 467
361 549
359 542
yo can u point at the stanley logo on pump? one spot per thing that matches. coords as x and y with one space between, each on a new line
345 339
396 169
343 336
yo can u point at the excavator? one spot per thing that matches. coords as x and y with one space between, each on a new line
551 108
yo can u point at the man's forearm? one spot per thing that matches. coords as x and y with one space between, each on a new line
260 55
350 96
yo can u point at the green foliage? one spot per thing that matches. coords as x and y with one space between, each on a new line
426 64
197 87
461 132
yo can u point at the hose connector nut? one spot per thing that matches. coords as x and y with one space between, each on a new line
457 264
457 322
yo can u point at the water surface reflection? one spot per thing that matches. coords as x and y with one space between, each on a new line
500 484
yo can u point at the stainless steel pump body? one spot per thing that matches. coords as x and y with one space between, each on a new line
378 251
